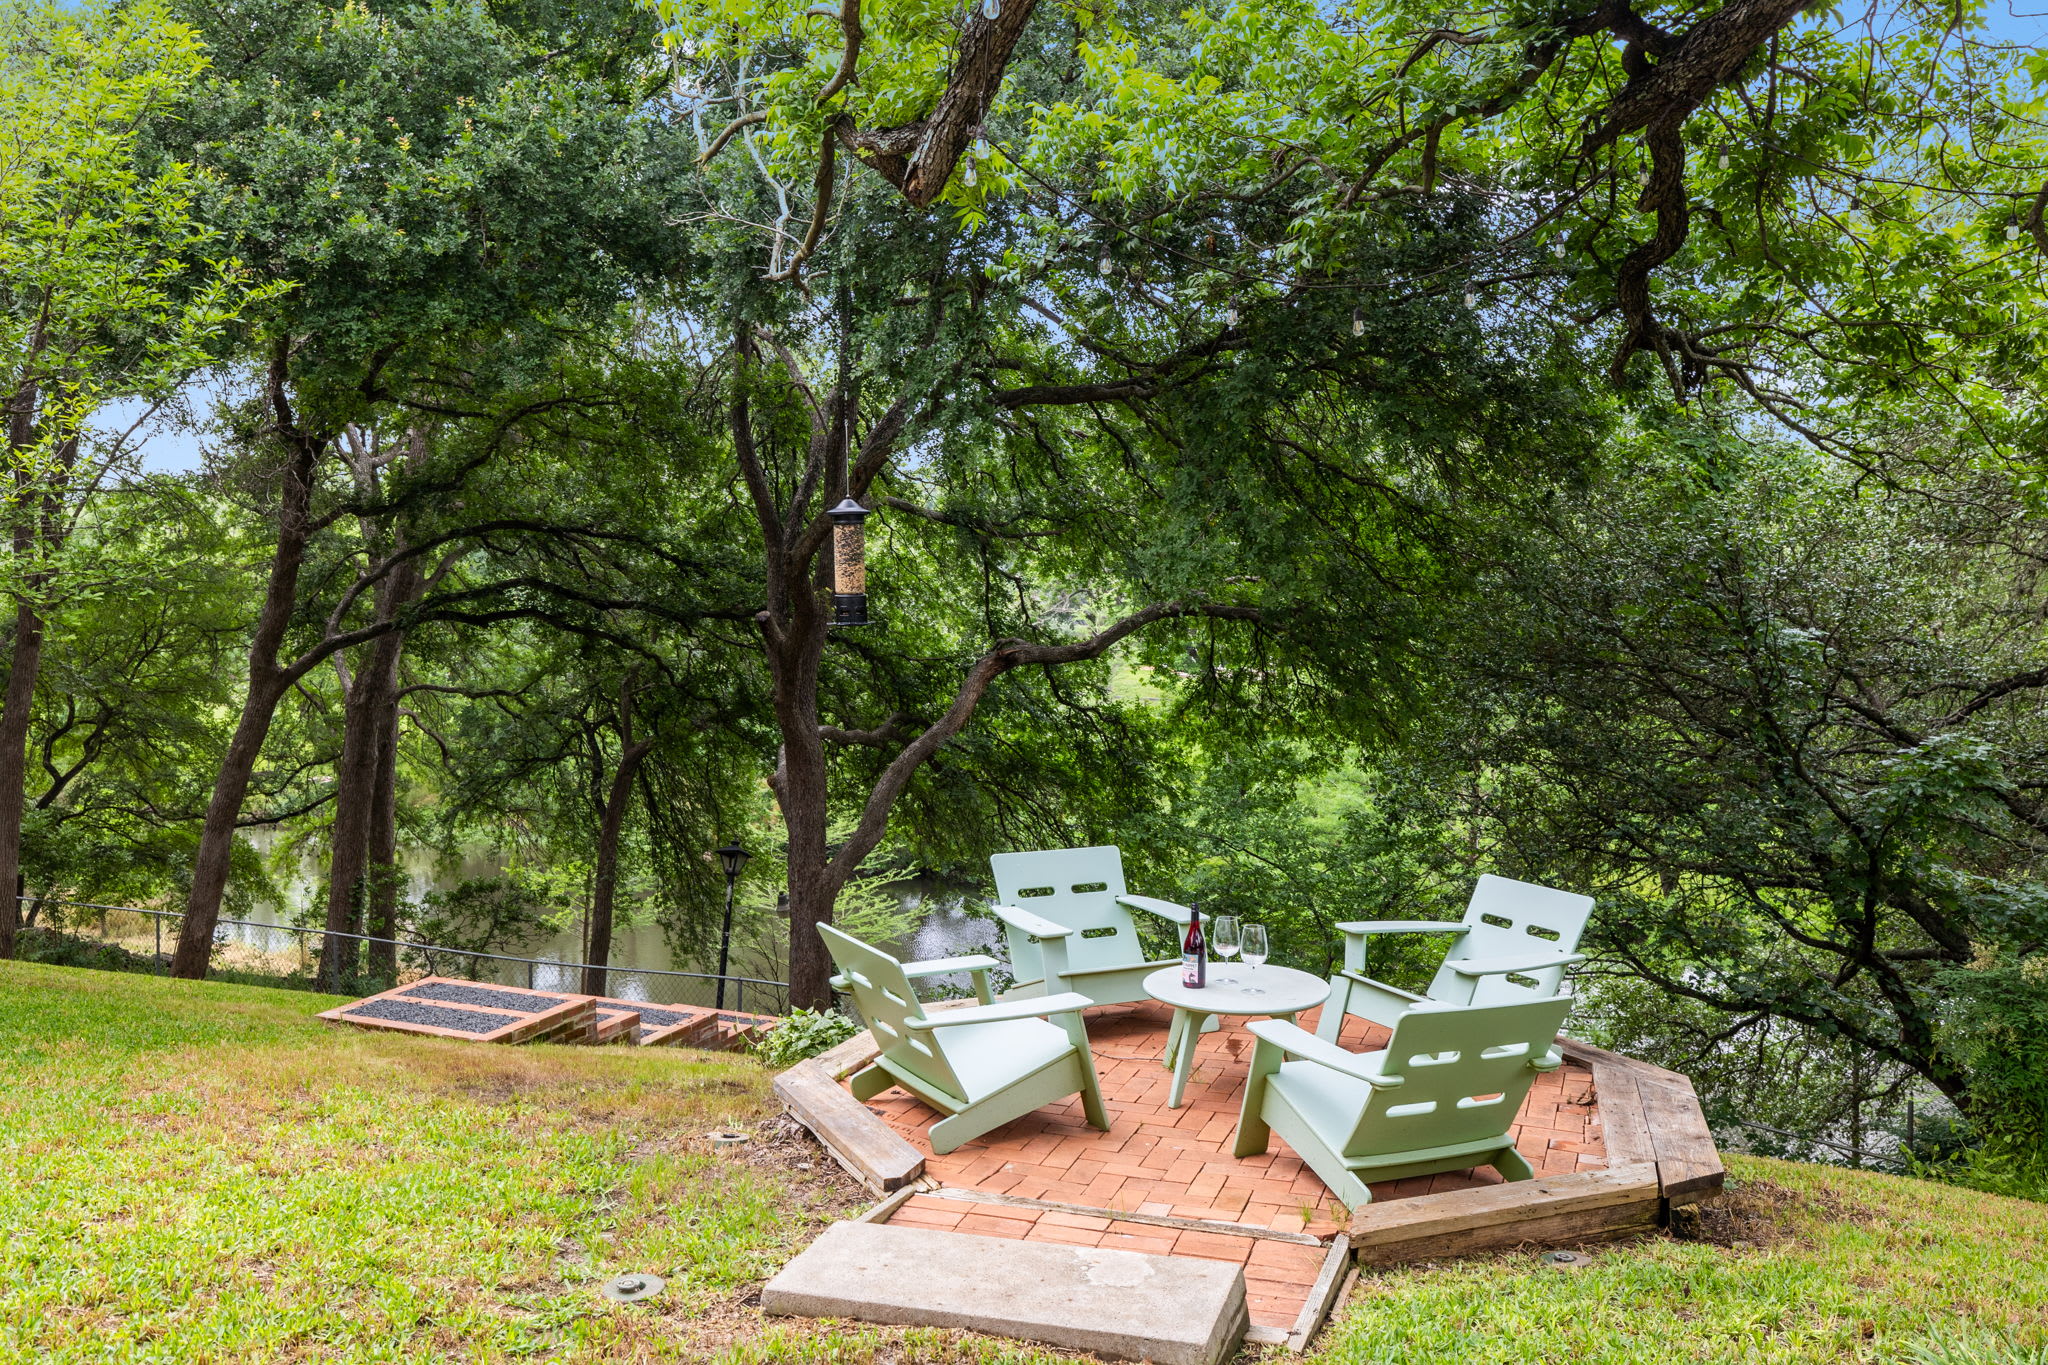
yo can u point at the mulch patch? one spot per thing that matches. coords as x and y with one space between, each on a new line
1761 1213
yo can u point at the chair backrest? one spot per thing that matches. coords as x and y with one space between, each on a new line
1507 918
1074 887
887 1000
1465 1072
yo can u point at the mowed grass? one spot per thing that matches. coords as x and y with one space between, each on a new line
1825 1265
199 1172
196 1172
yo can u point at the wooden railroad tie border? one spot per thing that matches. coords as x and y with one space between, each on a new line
1649 1114
1586 1206
868 1148
871 1151
1322 1295
1660 1154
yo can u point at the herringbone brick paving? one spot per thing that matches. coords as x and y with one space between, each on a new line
1177 1162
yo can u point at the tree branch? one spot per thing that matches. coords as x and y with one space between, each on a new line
1007 655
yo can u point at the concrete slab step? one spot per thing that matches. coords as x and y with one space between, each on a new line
1122 1305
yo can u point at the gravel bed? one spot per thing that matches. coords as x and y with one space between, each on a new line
650 1016
481 995
405 1012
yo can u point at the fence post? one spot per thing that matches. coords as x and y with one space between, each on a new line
529 974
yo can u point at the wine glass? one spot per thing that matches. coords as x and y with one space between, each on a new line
1255 954
1223 938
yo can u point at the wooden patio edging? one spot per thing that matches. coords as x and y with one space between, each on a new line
1660 1155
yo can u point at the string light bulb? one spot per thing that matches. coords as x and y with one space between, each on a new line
1557 250
1357 322
1103 266
1471 299
1230 312
2012 232
990 9
1724 158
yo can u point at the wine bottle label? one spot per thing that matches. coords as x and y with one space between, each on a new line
1194 970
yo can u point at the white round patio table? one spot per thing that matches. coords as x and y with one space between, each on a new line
1285 993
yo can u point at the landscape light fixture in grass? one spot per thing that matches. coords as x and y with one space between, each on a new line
849 564
732 857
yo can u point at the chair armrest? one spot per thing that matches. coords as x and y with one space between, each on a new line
978 962
1004 1010
1299 1042
1166 910
1024 922
1359 928
1501 966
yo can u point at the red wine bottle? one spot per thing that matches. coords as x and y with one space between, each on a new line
1194 953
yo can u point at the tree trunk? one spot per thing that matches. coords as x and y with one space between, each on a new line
267 685
612 819
194 952
801 790
383 863
25 660
355 780
14 721
372 694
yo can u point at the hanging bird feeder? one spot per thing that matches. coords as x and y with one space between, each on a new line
849 564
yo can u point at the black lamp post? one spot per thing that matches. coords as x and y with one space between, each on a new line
849 564
734 858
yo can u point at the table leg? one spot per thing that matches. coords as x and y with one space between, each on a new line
1184 1059
1174 1029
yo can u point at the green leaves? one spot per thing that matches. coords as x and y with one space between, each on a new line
113 286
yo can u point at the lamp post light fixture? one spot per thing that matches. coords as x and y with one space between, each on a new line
849 564
733 857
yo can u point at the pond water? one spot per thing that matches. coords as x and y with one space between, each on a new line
943 928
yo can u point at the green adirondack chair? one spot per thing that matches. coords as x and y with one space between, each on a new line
982 1066
1514 943
1441 1096
1082 891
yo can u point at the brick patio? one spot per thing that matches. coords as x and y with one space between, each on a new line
1177 1162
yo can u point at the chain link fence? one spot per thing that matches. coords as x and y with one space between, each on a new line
288 954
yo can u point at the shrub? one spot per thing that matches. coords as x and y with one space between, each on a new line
1997 1028
55 948
806 1033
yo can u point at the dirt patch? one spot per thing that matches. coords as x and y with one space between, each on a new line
782 1144
1761 1213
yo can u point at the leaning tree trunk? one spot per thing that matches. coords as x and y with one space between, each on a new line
267 686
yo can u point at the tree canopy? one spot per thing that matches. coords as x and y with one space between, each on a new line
1328 450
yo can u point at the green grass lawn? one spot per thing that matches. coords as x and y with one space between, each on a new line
203 1173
